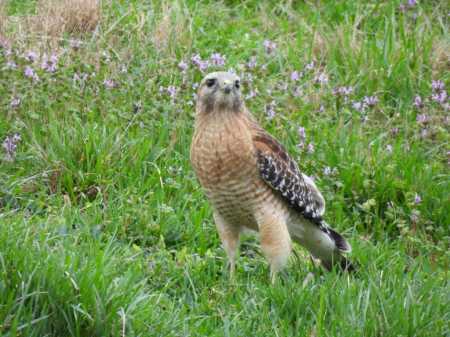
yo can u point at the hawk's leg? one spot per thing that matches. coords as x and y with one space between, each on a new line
275 242
229 235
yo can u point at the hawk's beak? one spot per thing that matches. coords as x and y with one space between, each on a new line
227 86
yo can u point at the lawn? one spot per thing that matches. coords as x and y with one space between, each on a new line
104 230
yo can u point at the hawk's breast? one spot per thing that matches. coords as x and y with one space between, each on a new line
224 160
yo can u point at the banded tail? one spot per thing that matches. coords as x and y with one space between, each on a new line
337 238
341 245
323 243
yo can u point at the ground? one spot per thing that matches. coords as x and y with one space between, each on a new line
104 230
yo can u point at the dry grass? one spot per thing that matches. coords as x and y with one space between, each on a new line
3 18
53 19
56 17
268 22
171 27
440 60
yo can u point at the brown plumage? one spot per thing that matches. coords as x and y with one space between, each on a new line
251 181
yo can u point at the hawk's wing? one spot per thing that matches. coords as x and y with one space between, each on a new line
281 173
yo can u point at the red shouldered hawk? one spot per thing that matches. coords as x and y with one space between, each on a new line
251 182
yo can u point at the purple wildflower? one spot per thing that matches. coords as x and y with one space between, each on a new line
172 91
30 73
270 110
196 59
301 133
410 4
49 67
440 97
109 84
346 91
252 62
183 66
269 46
54 58
15 102
422 118
321 78
370 100
310 148
201 64
437 85
418 103
49 64
295 76
417 199
217 59
9 145
31 56
342 91
302 137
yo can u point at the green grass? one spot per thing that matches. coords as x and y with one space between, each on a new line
104 230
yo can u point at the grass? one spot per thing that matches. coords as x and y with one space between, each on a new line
104 229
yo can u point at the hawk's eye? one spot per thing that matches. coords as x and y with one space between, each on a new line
237 84
210 82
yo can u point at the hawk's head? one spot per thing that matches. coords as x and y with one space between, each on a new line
219 91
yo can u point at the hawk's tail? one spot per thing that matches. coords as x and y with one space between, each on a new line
338 240
323 243
341 245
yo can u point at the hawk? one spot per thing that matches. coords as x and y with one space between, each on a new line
253 183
